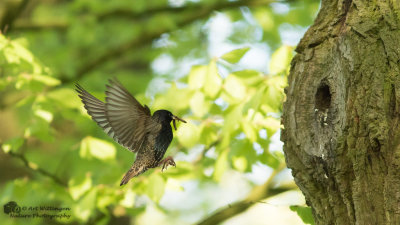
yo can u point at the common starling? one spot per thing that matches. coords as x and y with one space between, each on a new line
130 124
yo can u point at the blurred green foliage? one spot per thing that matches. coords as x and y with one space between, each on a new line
61 158
304 213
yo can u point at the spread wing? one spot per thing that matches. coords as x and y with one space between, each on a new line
122 117
130 121
96 109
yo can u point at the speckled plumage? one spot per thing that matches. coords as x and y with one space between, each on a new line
130 124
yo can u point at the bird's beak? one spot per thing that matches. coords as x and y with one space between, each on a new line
174 118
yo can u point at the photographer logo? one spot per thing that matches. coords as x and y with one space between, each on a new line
13 210
11 207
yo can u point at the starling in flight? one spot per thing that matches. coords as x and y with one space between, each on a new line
130 124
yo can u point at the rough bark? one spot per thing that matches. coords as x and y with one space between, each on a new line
341 117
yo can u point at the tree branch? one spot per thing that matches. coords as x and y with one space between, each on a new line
27 25
129 14
112 53
14 9
188 9
34 167
198 11
256 195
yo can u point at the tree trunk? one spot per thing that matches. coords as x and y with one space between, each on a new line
341 117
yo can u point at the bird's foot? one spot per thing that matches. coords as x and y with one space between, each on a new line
166 162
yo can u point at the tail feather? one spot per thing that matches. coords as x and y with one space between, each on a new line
134 171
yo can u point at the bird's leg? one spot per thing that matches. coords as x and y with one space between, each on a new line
166 162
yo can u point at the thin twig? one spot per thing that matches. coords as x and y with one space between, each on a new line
34 167
205 150
256 195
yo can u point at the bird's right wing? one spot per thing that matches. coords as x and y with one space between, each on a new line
122 117
96 109
130 121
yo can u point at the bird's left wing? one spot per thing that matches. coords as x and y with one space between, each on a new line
130 121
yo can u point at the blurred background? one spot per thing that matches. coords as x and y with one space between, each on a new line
220 65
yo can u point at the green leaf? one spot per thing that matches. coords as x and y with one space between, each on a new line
269 159
273 96
197 76
45 79
156 187
44 114
213 80
175 99
235 55
246 74
249 130
255 100
11 56
209 132
240 150
249 77
4 83
105 197
79 185
22 52
39 128
221 165
3 41
232 119
188 134
240 163
35 82
280 59
265 18
174 185
15 53
85 207
97 148
304 213
234 90
12 144
199 105
272 125
66 97
183 170
129 199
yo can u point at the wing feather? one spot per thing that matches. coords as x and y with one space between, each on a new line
95 108
122 117
130 120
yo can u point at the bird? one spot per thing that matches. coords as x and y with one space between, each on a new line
131 125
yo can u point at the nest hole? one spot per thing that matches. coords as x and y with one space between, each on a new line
323 98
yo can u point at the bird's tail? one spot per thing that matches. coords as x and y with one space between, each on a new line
135 170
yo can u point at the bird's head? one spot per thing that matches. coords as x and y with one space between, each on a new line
166 116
